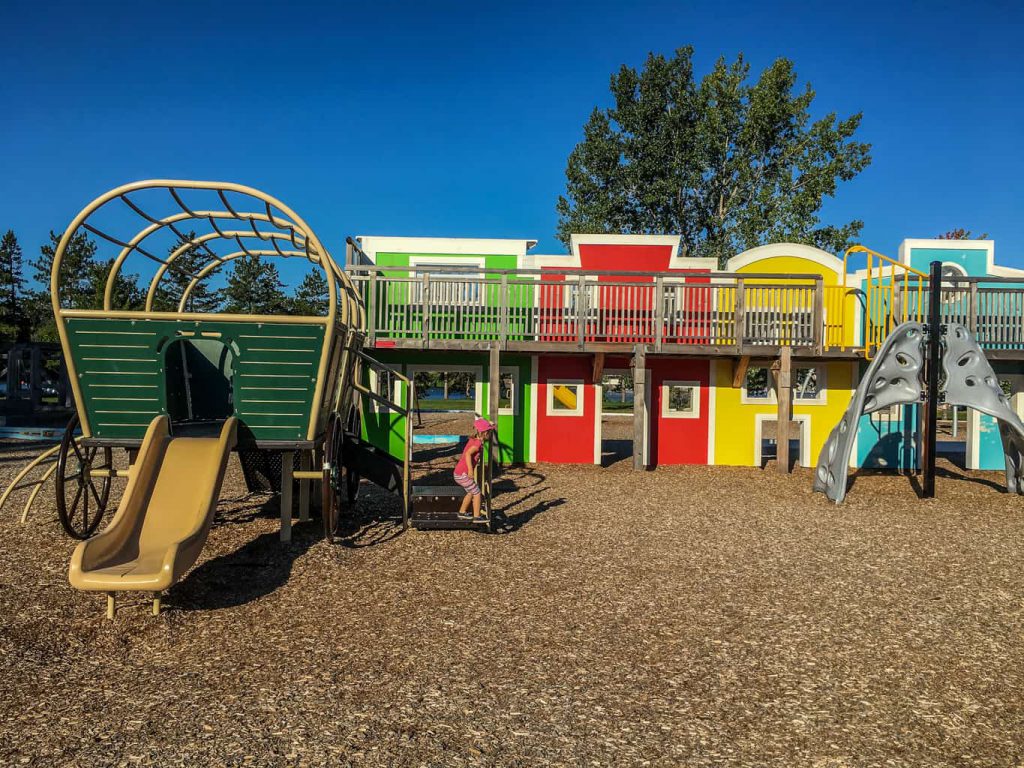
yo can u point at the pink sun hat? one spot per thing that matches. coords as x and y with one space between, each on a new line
483 425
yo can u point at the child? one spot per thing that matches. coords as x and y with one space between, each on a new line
465 470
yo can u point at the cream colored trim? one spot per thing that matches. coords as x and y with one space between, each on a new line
805 436
371 245
667 413
534 407
712 408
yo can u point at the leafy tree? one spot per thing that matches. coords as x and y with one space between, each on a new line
179 275
727 164
311 297
961 234
254 287
13 316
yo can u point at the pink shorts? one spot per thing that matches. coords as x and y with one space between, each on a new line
468 484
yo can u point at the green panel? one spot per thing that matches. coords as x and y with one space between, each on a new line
123 368
387 430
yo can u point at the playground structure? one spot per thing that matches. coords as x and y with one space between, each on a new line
906 370
733 366
178 390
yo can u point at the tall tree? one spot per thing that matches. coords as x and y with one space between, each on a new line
13 315
311 297
77 279
727 164
179 275
254 287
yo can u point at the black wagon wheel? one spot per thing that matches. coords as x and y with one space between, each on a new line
81 498
352 478
330 487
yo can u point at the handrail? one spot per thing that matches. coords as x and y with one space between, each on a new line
880 316
404 411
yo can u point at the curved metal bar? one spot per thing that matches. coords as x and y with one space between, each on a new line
211 266
35 491
162 270
167 221
25 470
153 220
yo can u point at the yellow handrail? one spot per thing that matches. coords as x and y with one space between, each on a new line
881 313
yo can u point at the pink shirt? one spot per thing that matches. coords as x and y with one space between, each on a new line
463 468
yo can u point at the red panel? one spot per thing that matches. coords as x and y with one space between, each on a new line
565 439
679 441
626 312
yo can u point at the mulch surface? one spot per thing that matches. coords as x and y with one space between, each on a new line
690 616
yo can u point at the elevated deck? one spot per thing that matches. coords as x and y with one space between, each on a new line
671 313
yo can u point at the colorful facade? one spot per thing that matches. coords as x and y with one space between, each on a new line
567 322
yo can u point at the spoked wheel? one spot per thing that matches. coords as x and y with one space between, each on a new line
332 470
81 498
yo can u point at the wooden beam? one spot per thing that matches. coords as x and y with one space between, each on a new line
494 384
639 387
784 394
739 371
598 371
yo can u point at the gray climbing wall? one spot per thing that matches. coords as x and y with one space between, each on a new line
970 381
895 376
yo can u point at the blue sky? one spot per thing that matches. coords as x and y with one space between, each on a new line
455 119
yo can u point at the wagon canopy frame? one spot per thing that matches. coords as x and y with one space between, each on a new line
156 223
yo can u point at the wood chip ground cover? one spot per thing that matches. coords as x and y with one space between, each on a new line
691 616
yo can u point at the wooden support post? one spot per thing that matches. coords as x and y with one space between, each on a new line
371 309
739 321
639 403
598 371
503 311
425 305
110 605
494 384
304 462
784 393
972 307
659 312
581 310
739 371
819 315
286 496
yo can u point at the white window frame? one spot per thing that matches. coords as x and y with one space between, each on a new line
514 409
746 398
396 387
477 370
772 398
550 409
667 412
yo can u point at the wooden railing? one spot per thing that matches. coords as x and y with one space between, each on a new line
992 308
572 309
446 306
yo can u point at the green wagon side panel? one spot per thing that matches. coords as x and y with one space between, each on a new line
122 371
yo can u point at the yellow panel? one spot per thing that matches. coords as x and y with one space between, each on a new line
736 422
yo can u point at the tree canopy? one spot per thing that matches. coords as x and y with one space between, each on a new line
311 297
725 163
254 287
13 318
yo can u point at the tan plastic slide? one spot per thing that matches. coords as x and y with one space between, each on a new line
164 516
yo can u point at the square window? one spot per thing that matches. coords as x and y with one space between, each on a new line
680 400
565 398
806 384
508 400
758 384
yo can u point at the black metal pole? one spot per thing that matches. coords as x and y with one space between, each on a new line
934 358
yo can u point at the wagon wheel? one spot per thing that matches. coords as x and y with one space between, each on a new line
352 478
330 487
81 498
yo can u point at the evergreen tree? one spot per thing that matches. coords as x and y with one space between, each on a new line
178 276
255 287
311 297
727 164
13 312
